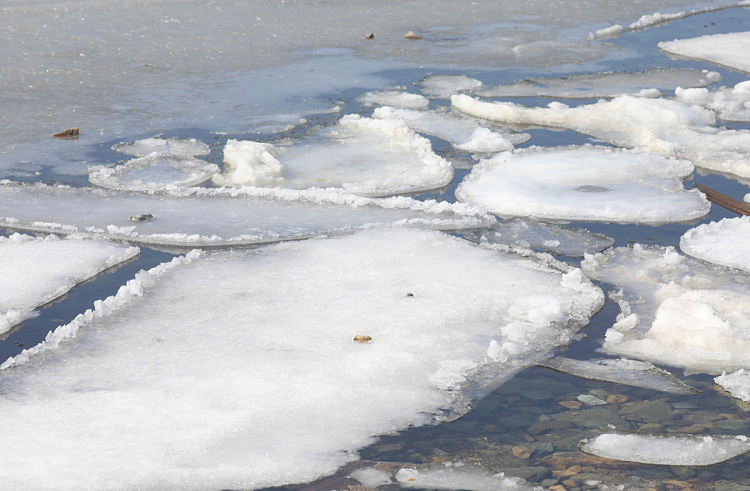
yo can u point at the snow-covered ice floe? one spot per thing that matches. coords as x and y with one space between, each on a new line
364 156
239 369
444 86
469 477
621 371
463 132
203 217
584 183
34 270
689 450
549 237
729 50
648 83
736 383
395 98
176 147
730 104
675 310
724 242
663 126
153 172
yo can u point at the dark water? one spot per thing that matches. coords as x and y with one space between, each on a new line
526 411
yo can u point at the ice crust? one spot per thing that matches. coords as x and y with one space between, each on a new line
176 147
444 86
621 371
730 104
202 217
675 310
248 377
364 156
722 49
584 183
688 450
395 98
472 478
663 126
737 384
34 270
722 242
154 172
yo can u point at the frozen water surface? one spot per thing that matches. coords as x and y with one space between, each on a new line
153 172
177 147
257 381
722 49
721 242
737 383
444 86
685 450
584 183
395 98
35 271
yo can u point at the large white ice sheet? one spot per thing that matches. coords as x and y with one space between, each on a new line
723 49
201 217
584 183
364 156
724 242
238 370
35 271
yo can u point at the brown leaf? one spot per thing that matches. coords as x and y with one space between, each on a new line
362 339
69 133
411 35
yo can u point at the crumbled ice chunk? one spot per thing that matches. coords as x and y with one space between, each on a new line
722 242
722 49
204 369
584 183
686 450
473 478
36 271
179 147
395 98
729 103
365 156
737 384
371 478
649 20
153 172
444 86
621 371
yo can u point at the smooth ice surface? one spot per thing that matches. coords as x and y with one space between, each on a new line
737 383
463 132
238 369
202 217
549 237
584 183
663 126
648 83
675 310
621 371
468 477
666 449
364 156
177 147
395 98
730 103
35 270
729 50
444 86
724 242
153 172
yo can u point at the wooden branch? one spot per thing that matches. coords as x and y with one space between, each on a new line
723 200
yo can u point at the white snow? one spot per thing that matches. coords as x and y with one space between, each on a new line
584 183
444 86
729 50
472 478
730 103
34 270
201 217
685 450
364 156
153 172
737 383
394 98
238 369
722 242
176 147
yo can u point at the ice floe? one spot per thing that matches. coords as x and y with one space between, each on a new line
688 450
621 371
463 132
584 183
724 242
675 310
364 156
178 147
663 126
153 172
648 83
394 98
535 234
249 377
444 86
729 50
730 104
736 383
203 217
37 270
469 477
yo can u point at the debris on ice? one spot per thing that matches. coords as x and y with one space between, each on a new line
729 49
724 242
154 172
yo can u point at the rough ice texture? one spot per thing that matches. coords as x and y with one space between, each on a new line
584 183
35 270
686 450
364 156
549 237
622 371
729 50
737 384
249 377
675 310
395 98
730 103
202 217
724 242
444 86
648 83
469 477
463 132
178 147
667 127
154 172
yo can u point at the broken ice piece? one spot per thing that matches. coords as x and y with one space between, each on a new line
724 242
722 49
444 86
737 384
686 450
468 477
394 98
154 172
179 147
